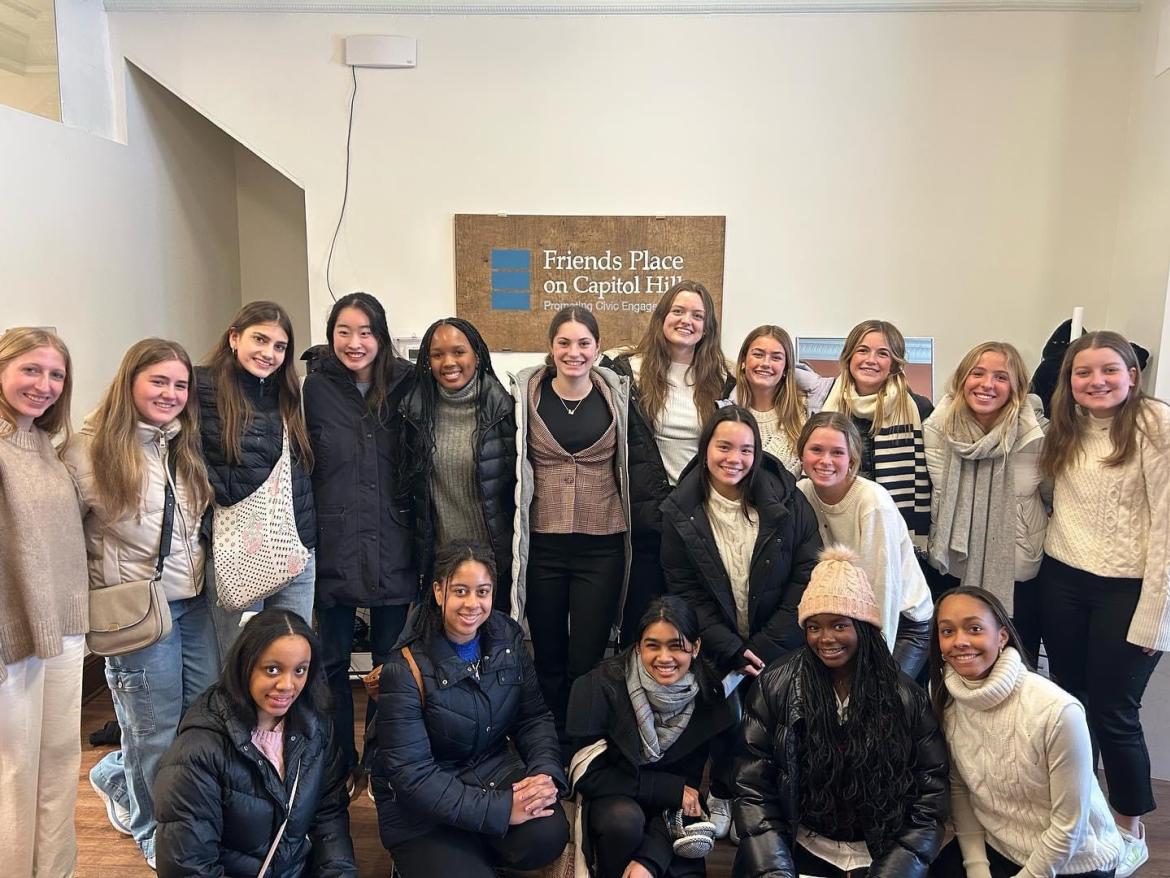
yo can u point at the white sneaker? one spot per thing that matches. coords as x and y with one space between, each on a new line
1134 852
119 815
720 811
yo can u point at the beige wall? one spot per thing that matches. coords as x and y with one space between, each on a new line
957 173
111 243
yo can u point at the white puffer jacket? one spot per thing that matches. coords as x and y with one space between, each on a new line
1030 488
126 548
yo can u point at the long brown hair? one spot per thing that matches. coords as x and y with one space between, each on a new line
903 403
1062 443
235 412
116 453
19 341
787 400
959 412
708 368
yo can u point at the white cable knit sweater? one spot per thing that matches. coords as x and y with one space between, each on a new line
1115 521
1022 775
735 537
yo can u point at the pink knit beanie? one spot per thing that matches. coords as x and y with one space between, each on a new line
839 587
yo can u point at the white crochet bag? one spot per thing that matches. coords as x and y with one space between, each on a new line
254 543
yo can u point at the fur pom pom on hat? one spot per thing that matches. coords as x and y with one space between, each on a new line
840 587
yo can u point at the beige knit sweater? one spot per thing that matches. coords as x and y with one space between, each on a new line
735 537
43 578
1115 521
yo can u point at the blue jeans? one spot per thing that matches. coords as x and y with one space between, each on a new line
335 626
152 689
297 596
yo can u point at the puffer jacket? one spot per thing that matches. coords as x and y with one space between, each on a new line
600 707
782 561
219 801
619 388
495 461
1033 494
365 551
453 762
766 808
260 448
125 548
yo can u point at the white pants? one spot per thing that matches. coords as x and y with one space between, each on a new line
40 761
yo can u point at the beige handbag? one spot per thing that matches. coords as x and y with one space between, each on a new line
255 547
131 616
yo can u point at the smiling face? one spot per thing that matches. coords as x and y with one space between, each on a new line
870 363
278 678
826 462
452 359
160 392
988 388
1100 381
32 382
682 327
465 599
969 637
665 653
764 364
354 342
832 639
573 350
260 348
730 454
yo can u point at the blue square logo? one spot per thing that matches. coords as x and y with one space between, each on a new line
511 280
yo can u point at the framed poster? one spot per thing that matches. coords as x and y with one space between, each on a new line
513 273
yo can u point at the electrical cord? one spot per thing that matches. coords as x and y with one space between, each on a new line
345 191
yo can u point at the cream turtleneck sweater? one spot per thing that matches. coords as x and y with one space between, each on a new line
1115 521
1022 775
735 537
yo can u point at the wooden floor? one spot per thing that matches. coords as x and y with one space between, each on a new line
104 853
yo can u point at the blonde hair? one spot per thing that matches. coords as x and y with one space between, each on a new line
708 367
787 400
1062 442
903 403
16 343
116 454
959 412
844 425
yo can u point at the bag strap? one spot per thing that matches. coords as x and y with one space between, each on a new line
168 522
417 674
280 832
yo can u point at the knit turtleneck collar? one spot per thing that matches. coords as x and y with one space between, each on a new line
1005 676
29 440
1099 425
463 395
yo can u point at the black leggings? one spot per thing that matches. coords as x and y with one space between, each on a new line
619 827
949 864
457 853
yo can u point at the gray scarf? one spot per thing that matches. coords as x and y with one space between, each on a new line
662 712
974 505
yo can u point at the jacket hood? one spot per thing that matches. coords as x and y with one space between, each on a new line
1058 342
212 711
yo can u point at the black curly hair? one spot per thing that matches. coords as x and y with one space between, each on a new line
856 775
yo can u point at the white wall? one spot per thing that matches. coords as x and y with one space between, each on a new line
111 243
958 173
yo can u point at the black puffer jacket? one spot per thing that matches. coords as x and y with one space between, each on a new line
365 551
767 809
453 763
783 558
495 461
259 449
599 707
219 801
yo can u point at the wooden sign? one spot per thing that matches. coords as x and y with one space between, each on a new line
513 273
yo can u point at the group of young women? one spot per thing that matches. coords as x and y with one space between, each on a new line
649 492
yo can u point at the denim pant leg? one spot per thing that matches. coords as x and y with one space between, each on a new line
298 594
225 622
201 664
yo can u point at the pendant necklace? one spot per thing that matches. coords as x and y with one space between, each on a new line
572 411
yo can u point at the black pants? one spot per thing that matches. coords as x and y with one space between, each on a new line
456 853
646 581
335 627
617 827
812 865
1086 619
949 864
574 583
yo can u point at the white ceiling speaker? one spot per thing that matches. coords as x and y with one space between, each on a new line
375 50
